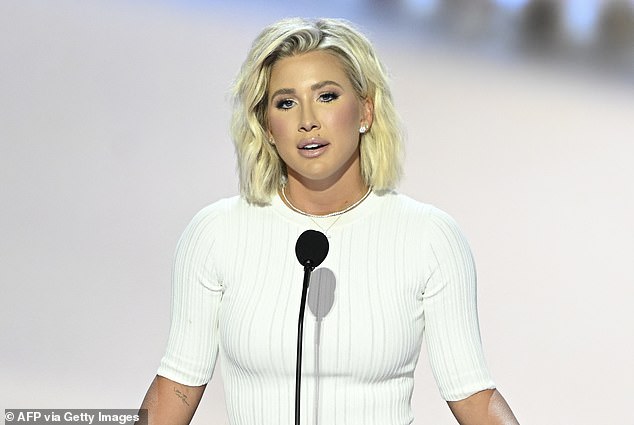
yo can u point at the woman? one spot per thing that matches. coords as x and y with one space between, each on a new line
318 146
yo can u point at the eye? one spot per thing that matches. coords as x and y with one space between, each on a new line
284 104
328 97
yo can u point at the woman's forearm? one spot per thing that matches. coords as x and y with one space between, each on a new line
483 408
170 403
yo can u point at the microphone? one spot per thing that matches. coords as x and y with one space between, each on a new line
311 250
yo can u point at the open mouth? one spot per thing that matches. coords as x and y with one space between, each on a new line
312 146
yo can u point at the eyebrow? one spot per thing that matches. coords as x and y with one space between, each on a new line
314 87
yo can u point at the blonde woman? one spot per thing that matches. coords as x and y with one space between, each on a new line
319 147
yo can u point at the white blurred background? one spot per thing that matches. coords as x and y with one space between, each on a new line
114 132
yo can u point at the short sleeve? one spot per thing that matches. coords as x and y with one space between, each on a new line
192 347
450 309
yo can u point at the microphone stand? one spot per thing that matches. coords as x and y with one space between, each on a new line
300 332
311 249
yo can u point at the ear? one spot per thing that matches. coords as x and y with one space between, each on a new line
367 112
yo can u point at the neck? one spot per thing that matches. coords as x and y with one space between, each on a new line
323 201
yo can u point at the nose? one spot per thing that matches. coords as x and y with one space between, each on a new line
308 120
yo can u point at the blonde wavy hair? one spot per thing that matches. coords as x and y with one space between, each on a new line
261 171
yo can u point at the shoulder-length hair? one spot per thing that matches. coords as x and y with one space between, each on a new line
261 170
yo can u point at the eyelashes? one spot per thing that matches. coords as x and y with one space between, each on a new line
285 104
328 97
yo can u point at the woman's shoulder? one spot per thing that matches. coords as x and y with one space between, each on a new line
222 206
429 224
229 211
405 205
216 212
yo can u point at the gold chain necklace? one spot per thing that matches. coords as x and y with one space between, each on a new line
315 217
332 214
326 229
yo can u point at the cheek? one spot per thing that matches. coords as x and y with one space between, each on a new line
278 125
346 117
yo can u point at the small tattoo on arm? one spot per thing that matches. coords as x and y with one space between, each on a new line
180 395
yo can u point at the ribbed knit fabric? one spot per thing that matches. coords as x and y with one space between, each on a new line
397 270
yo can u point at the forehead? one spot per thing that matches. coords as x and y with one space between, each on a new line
307 69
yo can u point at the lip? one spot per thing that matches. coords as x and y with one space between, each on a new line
312 153
311 141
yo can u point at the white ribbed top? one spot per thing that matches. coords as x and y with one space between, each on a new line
396 269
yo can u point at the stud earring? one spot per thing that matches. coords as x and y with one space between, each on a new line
363 129
271 141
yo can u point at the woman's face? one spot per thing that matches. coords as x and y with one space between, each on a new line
314 116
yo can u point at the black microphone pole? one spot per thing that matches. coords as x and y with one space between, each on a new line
300 333
311 249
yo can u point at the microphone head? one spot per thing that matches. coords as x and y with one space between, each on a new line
311 248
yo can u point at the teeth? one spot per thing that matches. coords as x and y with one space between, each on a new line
312 146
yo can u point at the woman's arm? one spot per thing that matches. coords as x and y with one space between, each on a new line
192 346
486 407
171 403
